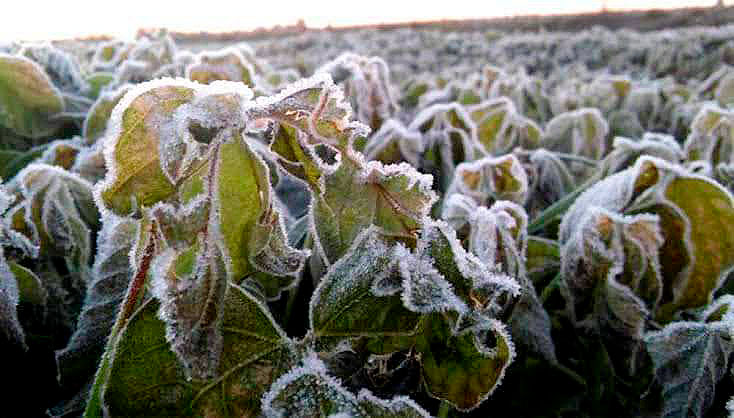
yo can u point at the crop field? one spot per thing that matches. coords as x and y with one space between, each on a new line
370 223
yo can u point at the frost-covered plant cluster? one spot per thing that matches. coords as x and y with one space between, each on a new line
393 224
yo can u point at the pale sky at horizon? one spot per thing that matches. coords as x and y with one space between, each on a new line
42 20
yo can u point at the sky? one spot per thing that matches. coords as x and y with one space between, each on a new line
42 20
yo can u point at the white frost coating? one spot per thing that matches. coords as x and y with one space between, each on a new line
9 296
312 366
410 143
711 126
614 194
115 128
309 384
375 249
689 359
468 264
580 132
486 189
425 290
368 81
395 404
204 57
376 172
725 302
585 246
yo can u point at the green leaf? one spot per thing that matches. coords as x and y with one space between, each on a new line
28 99
359 295
463 369
95 124
226 64
111 275
695 221
690 359
309 391
135 177
491 179
60 212
392 197
146 378
501 128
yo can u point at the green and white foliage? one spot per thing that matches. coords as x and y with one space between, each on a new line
582 132
366 82
232 239
29 102
690 358
491 179
719 86
394 143
711 141
226 64
429 299
501 128
450 138
308 391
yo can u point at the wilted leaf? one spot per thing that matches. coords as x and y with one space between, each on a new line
690 359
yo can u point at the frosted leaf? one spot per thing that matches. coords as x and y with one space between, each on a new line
459 281
191 286
491 179
108 55
645 103
60 211
689 223
394 143
450 137
712 136
719 86
62 153
393 197
366 82
10 327
617 254
255 352
501 128
549 179
308 391
582 132
28 99
95 124
689 360
157 134
61 67
464 369
625 151
111 274
226 64
346 302
605 93
315 107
